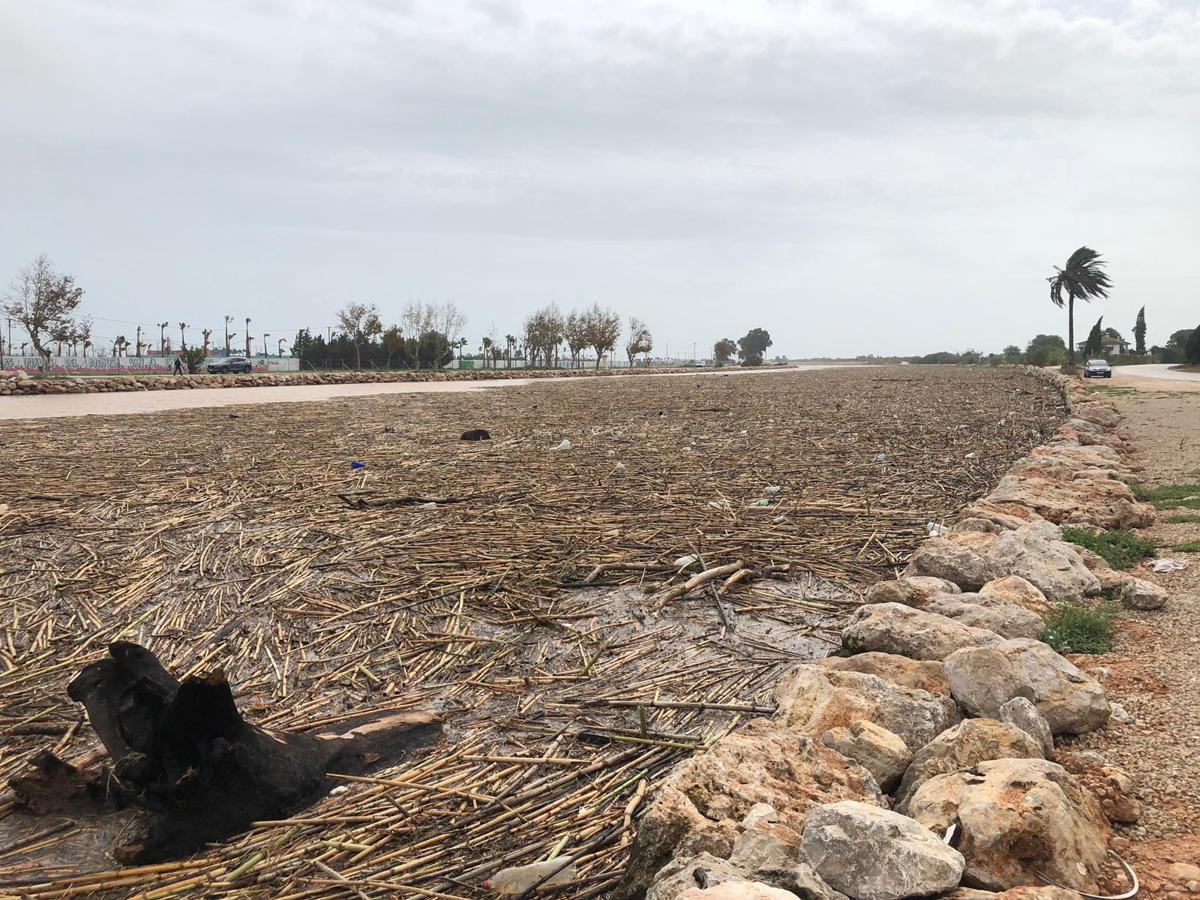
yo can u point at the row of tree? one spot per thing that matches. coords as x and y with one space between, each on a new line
594 328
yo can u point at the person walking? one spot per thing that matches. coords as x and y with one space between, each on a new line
178 366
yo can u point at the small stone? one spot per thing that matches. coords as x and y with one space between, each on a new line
1119 713
1182 871
1141 594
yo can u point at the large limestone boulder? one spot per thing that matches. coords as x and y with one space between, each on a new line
1074 481
870 853
963 747
911 591
989 613
972 559
899 629
1020 592
814 699
1010 517
982 679
924 674
1052 566
1021 713
959 557
1018 817
879 751
738 890
702 803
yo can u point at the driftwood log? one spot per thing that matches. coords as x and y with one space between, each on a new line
182 752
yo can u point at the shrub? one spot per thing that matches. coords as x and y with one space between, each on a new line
1075 628
1171 496
1121 548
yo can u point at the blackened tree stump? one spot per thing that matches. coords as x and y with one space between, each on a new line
183 752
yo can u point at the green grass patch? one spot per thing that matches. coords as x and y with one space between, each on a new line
1184 518
1170 496
1189 547
1121 548
1074 628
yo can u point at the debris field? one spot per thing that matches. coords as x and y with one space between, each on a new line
539 589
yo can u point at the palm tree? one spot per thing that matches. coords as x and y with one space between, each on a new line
1081 278
182 328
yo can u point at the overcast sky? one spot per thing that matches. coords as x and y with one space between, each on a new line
856 176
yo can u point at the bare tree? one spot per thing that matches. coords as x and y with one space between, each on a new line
544 331
360 323
603 329
575 330
182 338
162 337
44 303
228 336
205 333
438 325
640 339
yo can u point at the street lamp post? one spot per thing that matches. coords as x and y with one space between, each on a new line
248 337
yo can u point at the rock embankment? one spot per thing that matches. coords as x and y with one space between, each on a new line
921 760
20 382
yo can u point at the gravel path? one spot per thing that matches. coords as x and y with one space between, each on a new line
1154 670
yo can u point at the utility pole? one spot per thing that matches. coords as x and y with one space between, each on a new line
228 319
248 338
162 338
139 340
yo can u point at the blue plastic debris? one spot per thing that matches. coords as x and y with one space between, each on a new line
357 464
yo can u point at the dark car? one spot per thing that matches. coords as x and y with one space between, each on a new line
1097 368
229 364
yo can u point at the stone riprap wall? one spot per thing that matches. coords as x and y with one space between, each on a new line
129 365
20 382
918 761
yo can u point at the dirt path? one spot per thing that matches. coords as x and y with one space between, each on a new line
1154 671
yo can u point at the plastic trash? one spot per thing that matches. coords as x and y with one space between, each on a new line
429 505
773 489
519 879
684 561
970 456
475 434
1167 566
933 529
357 464
719 504
565 445
761 502
881 457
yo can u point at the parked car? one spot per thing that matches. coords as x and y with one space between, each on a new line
1097 368
221 365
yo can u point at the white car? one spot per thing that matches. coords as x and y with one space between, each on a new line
1097 368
